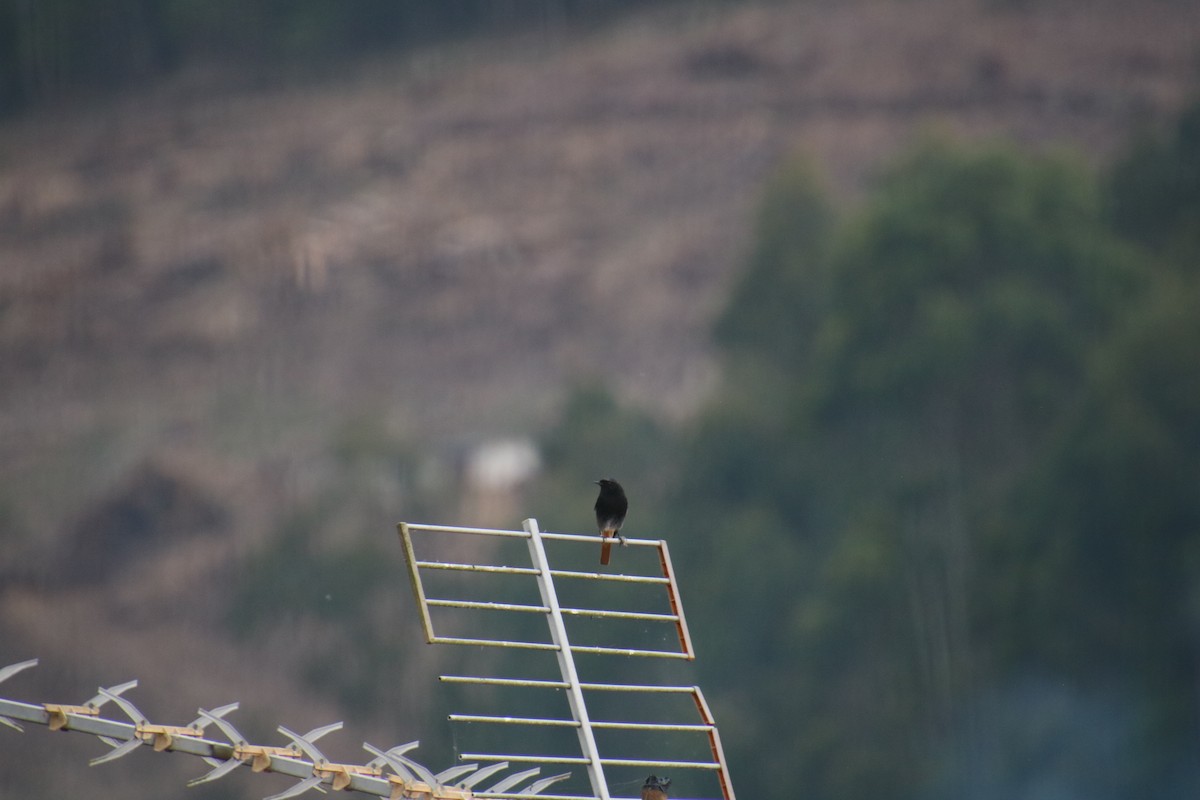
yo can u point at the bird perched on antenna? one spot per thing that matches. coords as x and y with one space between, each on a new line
655 789
611 506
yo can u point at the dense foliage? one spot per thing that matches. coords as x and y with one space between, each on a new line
941 523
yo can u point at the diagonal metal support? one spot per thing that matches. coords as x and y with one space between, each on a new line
566 664
482 775
300 788
512 780
537 787
392 759
448 776
304 744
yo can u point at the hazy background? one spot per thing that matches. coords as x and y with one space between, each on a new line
884 311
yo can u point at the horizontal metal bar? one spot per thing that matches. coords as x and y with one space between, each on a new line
641 762
558 573
576 537
634 687
602 576
565 537
450 565
580 612
495 643
412 526
652 726
488 606
601 613
621 651
522 759
554 723
504 682
569 723
593 687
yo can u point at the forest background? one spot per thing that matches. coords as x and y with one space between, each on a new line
884 312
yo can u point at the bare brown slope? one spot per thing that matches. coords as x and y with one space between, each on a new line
482 218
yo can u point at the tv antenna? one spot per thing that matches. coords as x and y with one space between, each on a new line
646 716
662 729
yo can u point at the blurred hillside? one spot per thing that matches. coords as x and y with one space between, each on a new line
247 312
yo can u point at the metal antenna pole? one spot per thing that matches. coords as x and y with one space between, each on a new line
566 661
671 750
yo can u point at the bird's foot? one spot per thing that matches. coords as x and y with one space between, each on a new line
624 542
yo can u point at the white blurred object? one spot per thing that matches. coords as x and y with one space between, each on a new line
502 464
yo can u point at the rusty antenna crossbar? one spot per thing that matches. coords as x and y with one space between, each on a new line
391 774
560 621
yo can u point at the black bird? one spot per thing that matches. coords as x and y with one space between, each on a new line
655 789
611 506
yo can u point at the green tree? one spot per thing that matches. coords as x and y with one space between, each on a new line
1154 194
1096 558
938 529
920 358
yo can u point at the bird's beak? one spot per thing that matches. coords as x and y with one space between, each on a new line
596 482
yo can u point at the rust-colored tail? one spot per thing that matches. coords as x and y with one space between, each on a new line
606 547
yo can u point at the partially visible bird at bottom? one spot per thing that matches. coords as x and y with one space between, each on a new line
655 789
611 507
